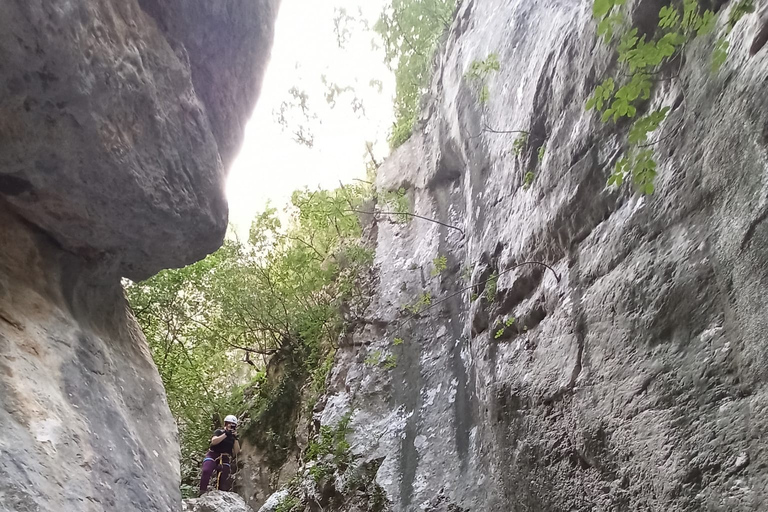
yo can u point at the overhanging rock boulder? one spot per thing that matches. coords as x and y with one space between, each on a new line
114 114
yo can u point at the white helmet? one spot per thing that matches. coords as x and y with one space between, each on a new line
231 419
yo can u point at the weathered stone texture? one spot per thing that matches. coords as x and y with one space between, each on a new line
85 423
110 121
114 122
634 376
216 501
227 44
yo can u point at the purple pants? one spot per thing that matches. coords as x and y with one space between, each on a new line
213 461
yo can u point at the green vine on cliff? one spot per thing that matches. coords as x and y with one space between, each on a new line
502 326
644 60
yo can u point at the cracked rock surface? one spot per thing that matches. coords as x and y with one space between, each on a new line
118 120
633 376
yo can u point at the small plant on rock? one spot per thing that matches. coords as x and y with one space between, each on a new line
288 504
520 142
424 300
439 265
377 358
373 358
478 73
528 180
330 449
491 287
501 327
389 362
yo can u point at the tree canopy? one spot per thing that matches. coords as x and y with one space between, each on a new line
213 325
411 30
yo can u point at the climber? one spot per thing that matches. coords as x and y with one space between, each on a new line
224 447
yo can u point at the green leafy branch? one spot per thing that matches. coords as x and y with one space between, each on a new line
410 32
644 58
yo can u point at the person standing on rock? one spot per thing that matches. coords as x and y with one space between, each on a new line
224 447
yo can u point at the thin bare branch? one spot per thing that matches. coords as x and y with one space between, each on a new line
409 215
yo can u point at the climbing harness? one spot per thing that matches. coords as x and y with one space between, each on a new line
220 463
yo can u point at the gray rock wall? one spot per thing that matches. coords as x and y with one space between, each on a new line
634 376
117 120
85 423
114 118
226 44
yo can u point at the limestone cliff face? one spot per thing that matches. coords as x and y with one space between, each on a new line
118 119
634 375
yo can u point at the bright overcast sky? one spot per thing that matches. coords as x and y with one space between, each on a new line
271 164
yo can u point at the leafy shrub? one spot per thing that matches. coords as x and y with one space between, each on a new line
439 265
411 30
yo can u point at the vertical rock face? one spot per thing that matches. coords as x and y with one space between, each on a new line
633 377
118 119
84 417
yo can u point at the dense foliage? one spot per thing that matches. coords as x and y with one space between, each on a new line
213 326
411 30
